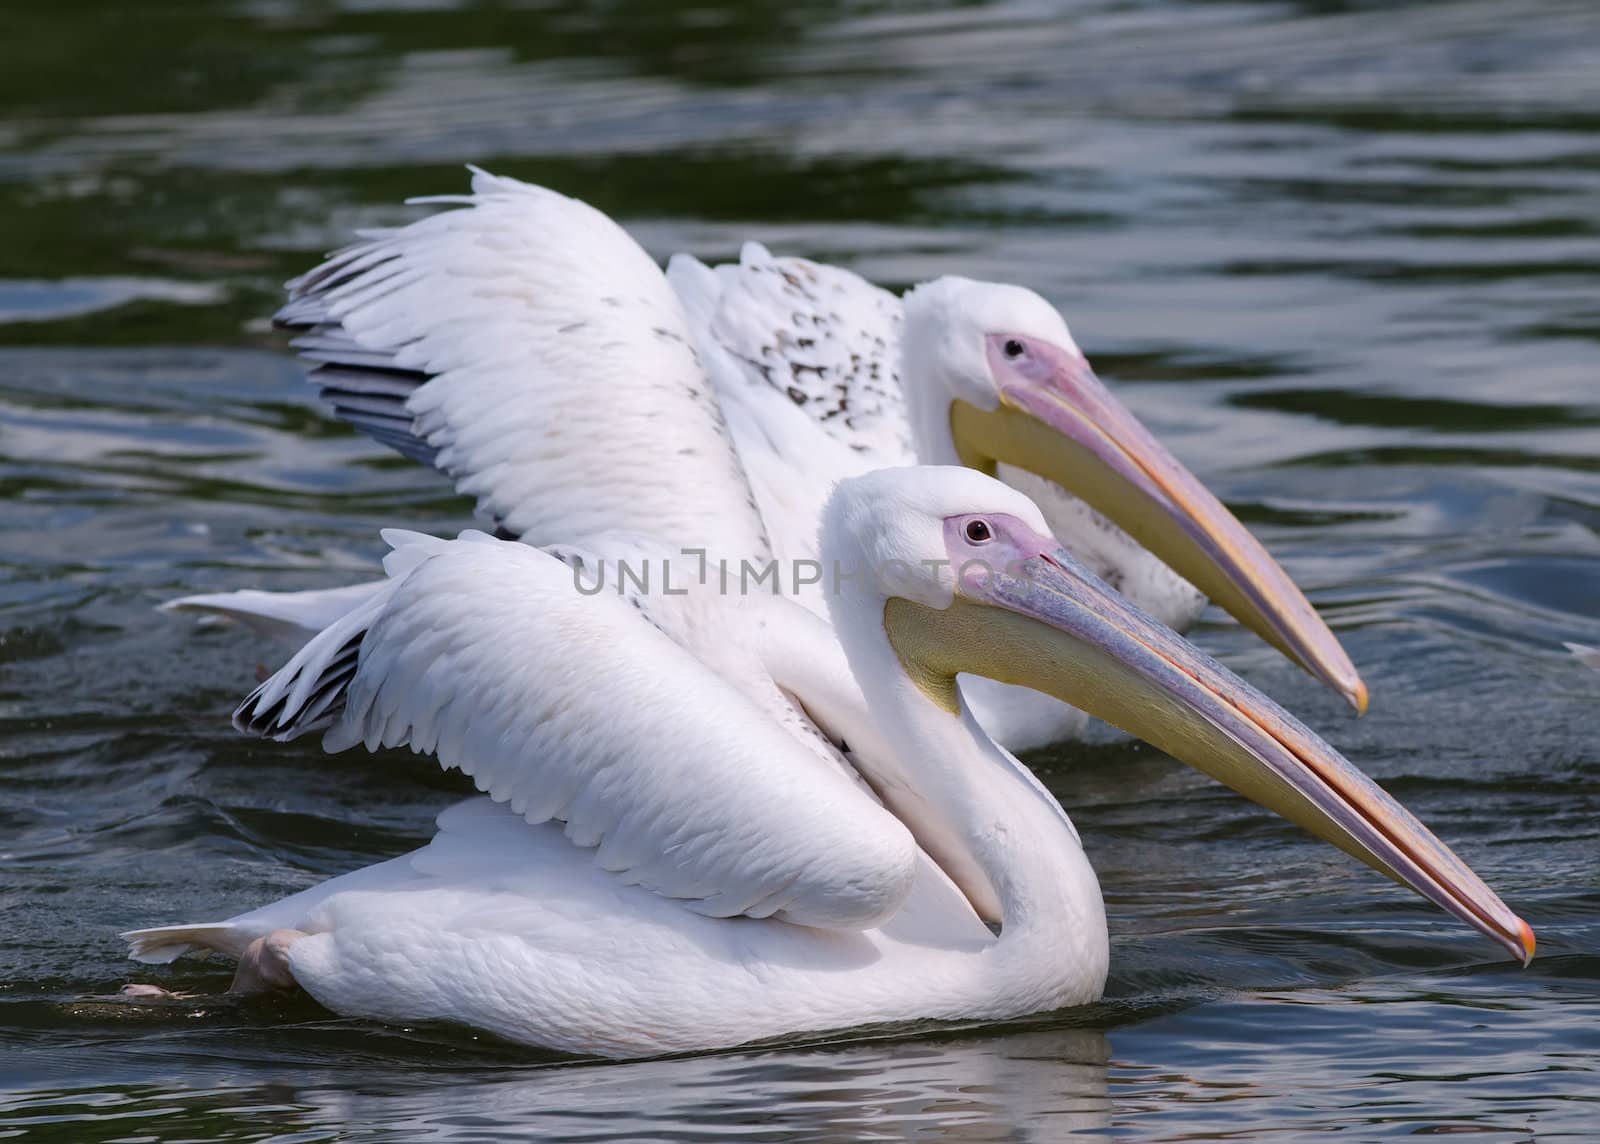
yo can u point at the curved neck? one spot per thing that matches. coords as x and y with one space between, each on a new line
923 350
1014 831
927 407
1013 827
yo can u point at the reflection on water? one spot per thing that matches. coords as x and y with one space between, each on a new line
1380 1060
1033 1085
1341 255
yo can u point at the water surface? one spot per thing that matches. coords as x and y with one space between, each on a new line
1343 256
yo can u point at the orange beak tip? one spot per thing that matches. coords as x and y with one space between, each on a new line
1358 698
1529 942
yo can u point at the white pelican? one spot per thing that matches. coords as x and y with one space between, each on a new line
468 340
664 865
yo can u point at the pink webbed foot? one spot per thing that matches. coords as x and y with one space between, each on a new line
265 963
140 992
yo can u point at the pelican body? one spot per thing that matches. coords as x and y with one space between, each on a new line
705 830
525 346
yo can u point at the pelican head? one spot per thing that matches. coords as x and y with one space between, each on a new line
1001 380
968 579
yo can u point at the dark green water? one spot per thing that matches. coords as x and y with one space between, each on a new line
1343 256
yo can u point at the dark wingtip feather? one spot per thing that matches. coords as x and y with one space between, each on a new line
276 719
363 385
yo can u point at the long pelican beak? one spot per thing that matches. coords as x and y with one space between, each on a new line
1058 421
1048 623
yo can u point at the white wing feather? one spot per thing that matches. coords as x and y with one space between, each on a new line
1585 654
530 349
826 339
576 709
805 361
281 615
476 341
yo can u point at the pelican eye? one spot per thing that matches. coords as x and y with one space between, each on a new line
1014 348
979 532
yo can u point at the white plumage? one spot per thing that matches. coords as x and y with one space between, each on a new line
510 929
805 363
794 345
690 841
529 349
1585 654
713 817
579 709
647 811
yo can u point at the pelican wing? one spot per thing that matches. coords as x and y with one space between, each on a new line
805 359
826 340
575 708
528 348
